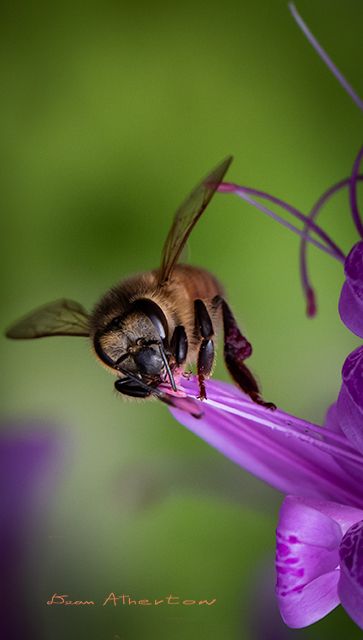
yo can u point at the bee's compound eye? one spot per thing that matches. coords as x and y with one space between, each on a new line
155 314
115 321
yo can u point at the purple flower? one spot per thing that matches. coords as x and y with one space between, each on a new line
30 464
318 565
350 401
289 454
351 298
319 553
321 466
351 568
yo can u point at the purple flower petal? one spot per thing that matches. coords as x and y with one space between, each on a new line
307 544
309 604
332 424
350 401
350 586
287 453
351 310
351 298
307 557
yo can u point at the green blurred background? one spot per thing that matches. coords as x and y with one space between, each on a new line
110 113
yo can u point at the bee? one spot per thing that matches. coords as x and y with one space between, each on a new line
148 329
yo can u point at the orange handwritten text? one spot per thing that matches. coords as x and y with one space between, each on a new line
60 600
127 600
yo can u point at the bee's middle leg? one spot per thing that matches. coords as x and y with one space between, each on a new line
205 359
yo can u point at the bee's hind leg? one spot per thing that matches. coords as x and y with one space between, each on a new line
236 350
205 359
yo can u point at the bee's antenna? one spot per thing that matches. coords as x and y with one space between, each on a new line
166 363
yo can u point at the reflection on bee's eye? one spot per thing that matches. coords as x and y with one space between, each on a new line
115 321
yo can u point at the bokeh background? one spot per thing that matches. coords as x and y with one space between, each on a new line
111 112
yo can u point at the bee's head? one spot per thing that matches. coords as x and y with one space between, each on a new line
134 343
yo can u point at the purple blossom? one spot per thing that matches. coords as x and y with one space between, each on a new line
289 454
319 465
319 552
351 298
30 465
351 568
311 577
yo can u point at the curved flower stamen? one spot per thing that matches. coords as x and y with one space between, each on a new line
353 193
332 249
324 56
305 281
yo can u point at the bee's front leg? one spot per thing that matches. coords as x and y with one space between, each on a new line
129 387
205 359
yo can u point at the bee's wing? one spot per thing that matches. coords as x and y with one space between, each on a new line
186 217
61 318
